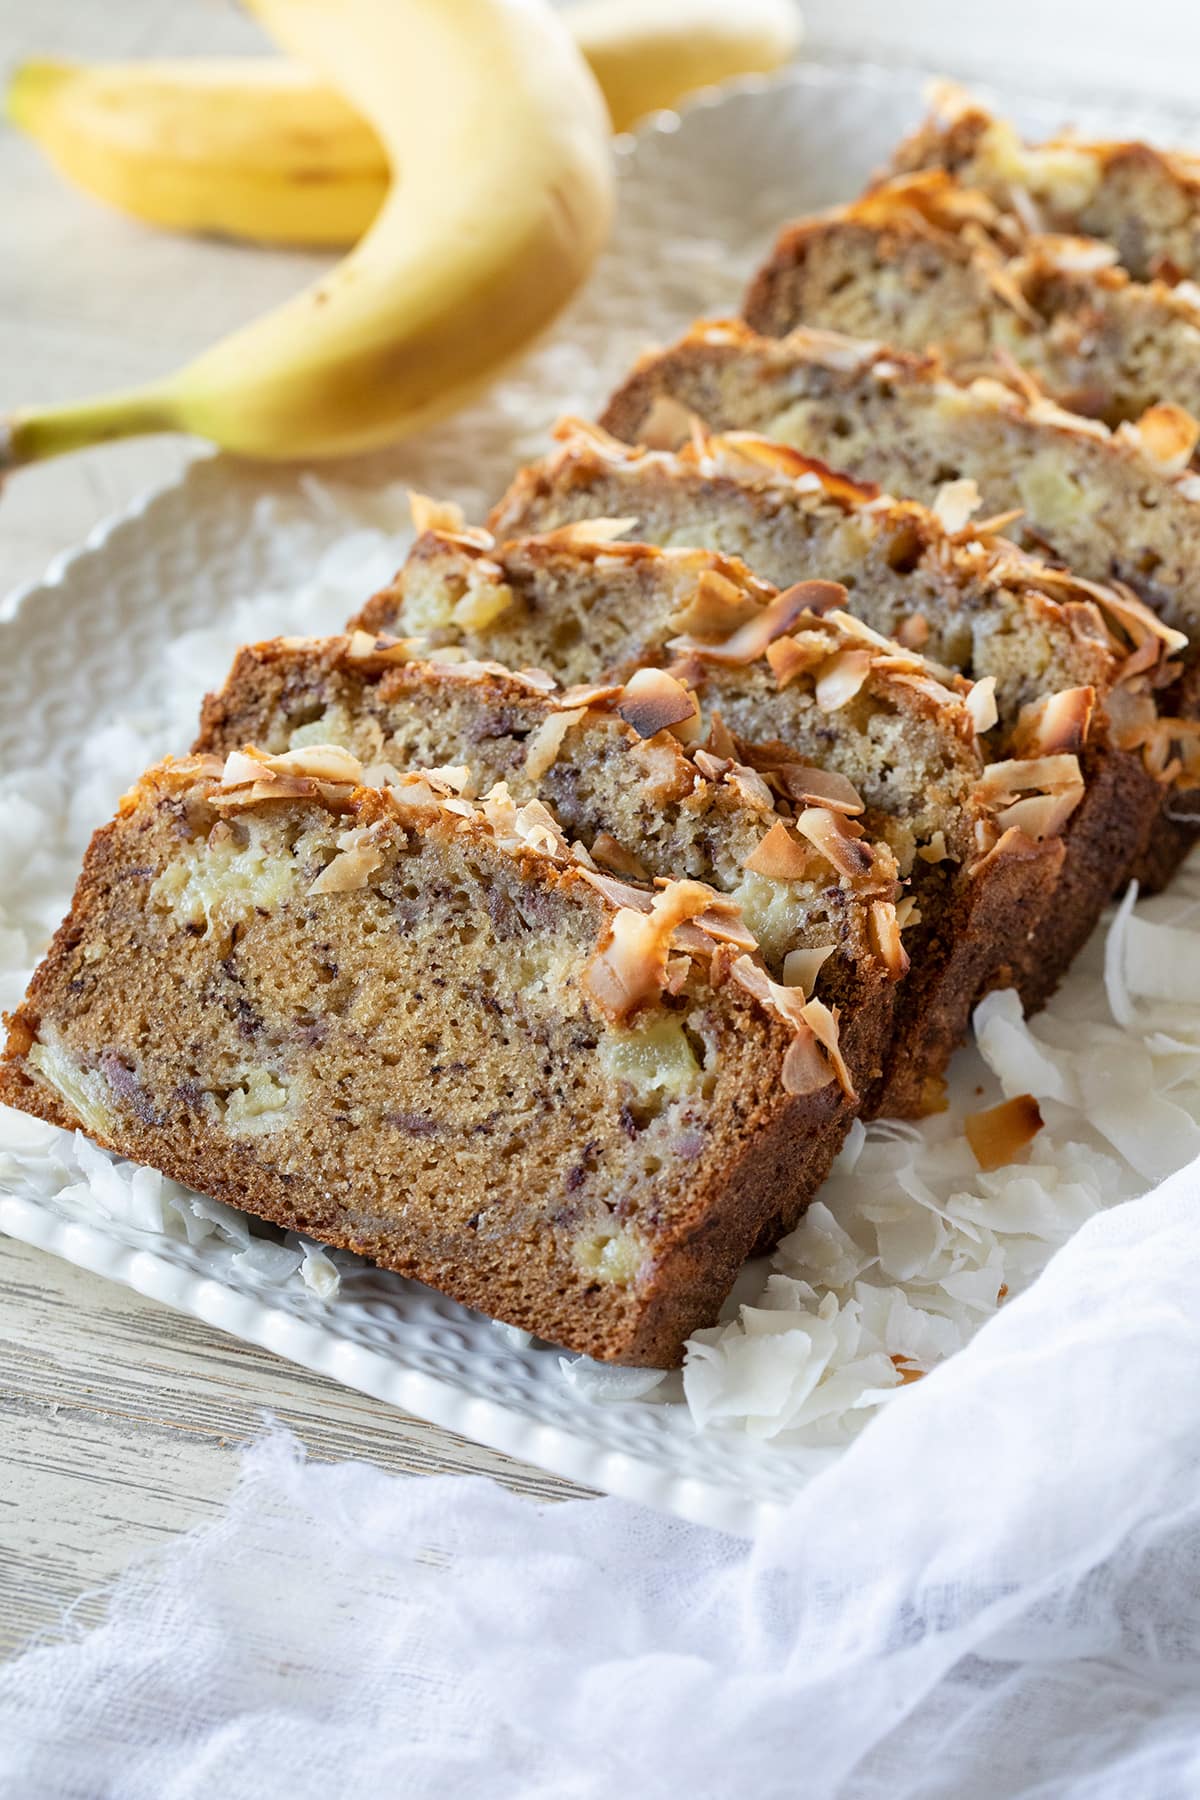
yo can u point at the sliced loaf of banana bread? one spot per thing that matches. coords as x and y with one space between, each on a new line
1143 200
1075 665
923 263
796 681
419 1028
629 784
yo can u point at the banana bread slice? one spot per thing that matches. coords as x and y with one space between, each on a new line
1057 649
418 1028
1143 200
1120 505
797 681
923 263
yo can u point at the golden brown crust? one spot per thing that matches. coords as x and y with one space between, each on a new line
758 1158
1144 200
924 262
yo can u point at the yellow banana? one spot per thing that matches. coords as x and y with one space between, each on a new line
257 149
507 197
647 54
265 150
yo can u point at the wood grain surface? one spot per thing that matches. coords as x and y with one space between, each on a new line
117 1422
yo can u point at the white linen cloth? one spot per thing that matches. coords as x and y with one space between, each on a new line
995 1592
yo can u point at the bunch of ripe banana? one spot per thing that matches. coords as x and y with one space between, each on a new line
461 146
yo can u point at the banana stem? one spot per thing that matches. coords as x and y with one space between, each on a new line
33 435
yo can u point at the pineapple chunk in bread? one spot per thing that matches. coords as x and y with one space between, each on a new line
797 682
419 1029
1078 663
923 263
1144 201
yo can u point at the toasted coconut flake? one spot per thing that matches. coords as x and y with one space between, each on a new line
820 787
571 430
450 778
1040 815
595 695
678 969
535 825
537 679
653 701
630 967
1056 724
711 767
586 534
319 762
995 524
1018 775
1117 602
1073 255
801 968
363 646
612 855
981 703
1046 412
1166 435
241 767
352 868
722 926
733 451
790 657
412 789
716 608
779 615
840 677
998 1135
1004 283
805 1068
721 741
857 628
954 503
884 931
546 742
935 851
823 1023
749 787
932 690
436 515
325 770
828 832
618 893
667 425
779 856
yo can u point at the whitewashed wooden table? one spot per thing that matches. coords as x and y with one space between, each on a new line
118 1418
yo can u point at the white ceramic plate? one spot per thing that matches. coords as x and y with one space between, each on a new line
91 645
